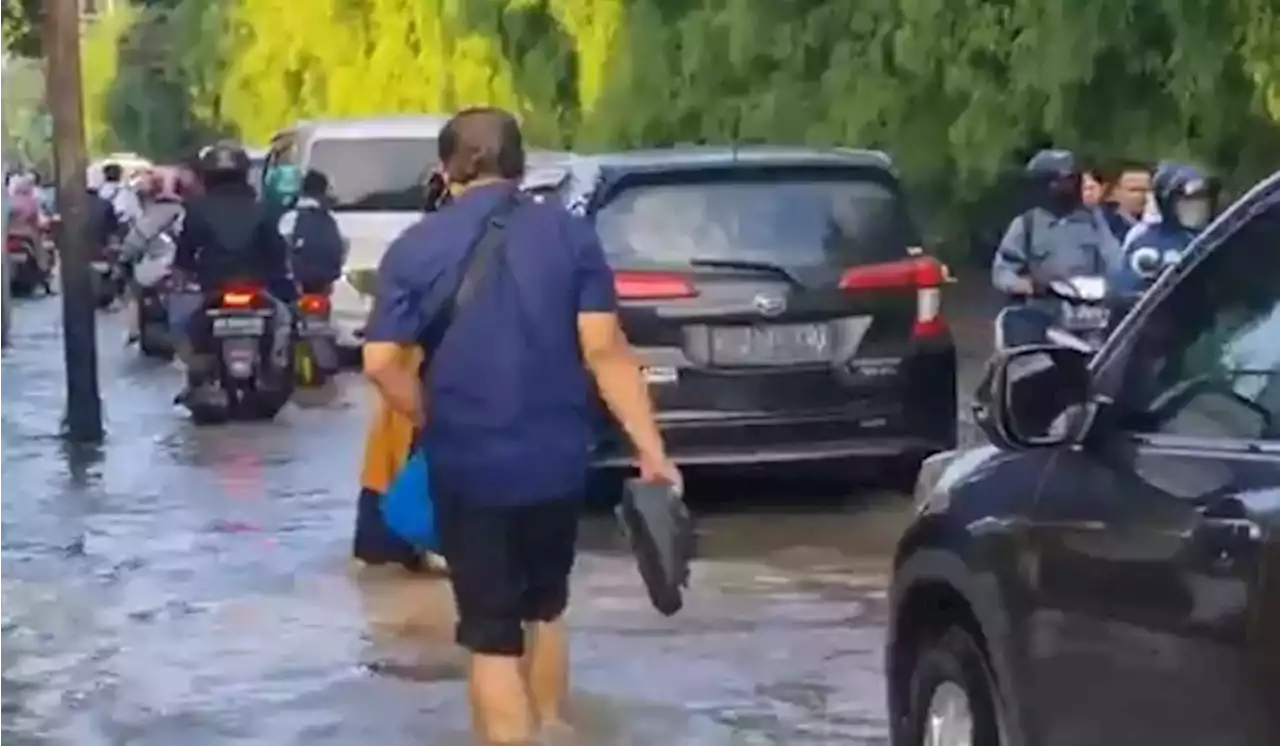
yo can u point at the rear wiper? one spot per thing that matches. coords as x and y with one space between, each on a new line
749 265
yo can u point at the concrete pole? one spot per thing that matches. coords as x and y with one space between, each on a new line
63 92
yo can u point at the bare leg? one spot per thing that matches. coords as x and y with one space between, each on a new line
500 700
547 661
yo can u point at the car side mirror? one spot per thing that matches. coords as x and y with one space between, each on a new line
1034 396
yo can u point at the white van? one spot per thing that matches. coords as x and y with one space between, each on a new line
376 168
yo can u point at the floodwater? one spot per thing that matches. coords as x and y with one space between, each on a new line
184 585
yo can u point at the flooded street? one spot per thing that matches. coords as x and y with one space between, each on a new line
184 585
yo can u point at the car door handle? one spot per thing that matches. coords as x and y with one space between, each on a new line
1235 529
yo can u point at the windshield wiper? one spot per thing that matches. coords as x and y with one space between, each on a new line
749 265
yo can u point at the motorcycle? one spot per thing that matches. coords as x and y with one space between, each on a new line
250 382
27 274
316 355
155 282
1075 312
1084 312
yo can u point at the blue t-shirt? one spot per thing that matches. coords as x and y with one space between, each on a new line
509 401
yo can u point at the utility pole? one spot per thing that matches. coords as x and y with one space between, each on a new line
62 90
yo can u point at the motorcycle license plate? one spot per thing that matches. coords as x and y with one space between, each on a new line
315 328
239 326
101 268
19 257
1085 317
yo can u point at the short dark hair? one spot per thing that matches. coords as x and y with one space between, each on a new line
112 172
1114 171
481 142
315 183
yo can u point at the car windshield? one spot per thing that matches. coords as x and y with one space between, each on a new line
785 221
375 174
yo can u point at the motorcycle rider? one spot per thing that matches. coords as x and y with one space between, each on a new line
148 246
1187 200
227 238
122 198
316 247
27 220
1056 239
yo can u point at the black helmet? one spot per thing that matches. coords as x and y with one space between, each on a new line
224 160
1048 165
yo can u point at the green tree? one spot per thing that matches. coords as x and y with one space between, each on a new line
21 24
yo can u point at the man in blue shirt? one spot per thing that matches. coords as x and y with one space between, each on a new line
506 408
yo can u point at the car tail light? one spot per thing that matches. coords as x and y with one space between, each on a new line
315 304
241 298
653 286
13 243
926 274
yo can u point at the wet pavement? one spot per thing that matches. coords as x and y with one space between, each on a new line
191 585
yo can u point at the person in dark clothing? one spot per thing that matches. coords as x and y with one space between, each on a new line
316 247
227 240
505 409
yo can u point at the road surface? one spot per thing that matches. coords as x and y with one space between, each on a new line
185 585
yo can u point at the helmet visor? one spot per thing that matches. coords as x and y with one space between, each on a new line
1194 212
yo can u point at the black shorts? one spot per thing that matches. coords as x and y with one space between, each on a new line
508 565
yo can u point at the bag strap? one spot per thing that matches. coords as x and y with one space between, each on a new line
488 246
484 250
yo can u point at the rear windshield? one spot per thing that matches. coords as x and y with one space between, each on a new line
789 221
382 174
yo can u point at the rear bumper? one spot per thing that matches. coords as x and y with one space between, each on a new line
780 439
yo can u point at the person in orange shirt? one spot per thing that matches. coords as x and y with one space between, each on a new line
387 447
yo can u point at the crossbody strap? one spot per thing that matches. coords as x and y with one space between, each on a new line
484 251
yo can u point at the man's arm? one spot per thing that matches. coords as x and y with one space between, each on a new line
609 357
187 243
393 328
1009 266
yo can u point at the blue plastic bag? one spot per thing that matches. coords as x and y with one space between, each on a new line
408 508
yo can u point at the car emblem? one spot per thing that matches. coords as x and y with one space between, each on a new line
770 305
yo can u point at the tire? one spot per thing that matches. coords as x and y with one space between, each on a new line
208 415
151 345
950 666
21 288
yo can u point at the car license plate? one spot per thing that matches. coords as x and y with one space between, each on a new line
19 256
1075 316
778 344
238 326
100 267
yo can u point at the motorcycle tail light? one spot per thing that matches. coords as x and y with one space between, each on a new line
314 304
241 298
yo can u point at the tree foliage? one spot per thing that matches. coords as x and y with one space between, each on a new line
956 90
21 25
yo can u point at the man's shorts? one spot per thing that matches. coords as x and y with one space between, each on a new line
508 565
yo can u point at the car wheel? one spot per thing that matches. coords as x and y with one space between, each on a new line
952 697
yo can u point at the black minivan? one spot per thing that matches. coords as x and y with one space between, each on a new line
1107 570
779 300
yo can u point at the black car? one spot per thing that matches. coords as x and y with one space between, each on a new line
1107 570
779 300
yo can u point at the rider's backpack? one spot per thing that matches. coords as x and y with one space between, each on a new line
316 247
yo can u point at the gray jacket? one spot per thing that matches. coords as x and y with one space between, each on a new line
156 217
1079 243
